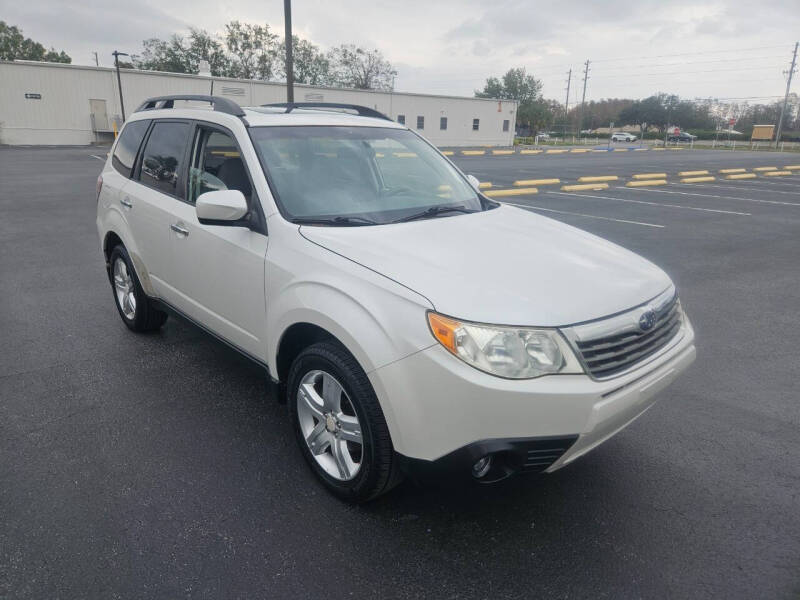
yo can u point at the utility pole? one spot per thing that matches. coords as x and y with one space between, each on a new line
583 97
116 54
566 103
786 97
287 17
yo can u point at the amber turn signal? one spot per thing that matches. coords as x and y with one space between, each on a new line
444 330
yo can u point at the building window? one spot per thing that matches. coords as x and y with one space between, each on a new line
420 122
505 125
476 123
401 119
443 123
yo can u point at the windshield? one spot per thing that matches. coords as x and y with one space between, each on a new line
359 175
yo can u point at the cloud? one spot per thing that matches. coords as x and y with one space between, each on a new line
452 46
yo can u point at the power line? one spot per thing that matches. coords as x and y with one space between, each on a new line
660 73
732 50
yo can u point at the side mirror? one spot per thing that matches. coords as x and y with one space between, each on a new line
473 181
220 207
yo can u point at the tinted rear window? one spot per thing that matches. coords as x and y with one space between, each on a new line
128 145
162 157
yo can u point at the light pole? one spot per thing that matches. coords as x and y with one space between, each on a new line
116 54
287 34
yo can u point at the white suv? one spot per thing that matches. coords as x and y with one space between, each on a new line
623 136
413 325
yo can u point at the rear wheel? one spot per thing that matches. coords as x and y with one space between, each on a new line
339 424
135 308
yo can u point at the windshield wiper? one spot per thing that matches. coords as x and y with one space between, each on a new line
343 221
434 211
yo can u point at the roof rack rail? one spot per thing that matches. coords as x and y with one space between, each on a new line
218 104
362 111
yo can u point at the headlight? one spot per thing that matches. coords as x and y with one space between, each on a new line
511 352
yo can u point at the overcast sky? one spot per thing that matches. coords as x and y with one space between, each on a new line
451 46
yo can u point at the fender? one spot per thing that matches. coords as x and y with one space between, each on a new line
112 221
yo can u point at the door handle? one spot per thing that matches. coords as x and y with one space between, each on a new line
179 230
126 203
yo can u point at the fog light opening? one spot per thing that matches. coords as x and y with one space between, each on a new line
481 468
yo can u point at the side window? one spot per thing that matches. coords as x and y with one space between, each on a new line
128 145
401 119
162 156
442 122
476 123
217 165
420 122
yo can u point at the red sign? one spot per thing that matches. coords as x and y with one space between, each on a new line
676 131
731 122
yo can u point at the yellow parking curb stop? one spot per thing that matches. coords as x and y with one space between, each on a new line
699 179
516 192
485 185
650 176
646 182
473 152
598 178
742 176
537 181
502 152
693 173
531 151
776 173
765 169
733 170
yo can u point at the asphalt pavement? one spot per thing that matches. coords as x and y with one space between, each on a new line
156 466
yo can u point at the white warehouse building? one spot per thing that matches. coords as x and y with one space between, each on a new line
57 104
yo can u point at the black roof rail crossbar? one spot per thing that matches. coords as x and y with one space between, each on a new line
362 111
218 104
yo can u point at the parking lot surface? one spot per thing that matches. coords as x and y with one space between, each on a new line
156 466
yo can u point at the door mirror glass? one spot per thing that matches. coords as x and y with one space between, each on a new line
220 205
473 181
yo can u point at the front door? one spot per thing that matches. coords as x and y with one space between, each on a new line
218 270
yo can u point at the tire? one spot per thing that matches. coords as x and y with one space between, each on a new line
352 471
133 305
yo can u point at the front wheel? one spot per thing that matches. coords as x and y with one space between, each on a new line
132 303
339 424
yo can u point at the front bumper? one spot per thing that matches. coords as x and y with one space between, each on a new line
443 412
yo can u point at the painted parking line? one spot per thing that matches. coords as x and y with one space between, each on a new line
759 200
632 201
753 187
564 212
97 157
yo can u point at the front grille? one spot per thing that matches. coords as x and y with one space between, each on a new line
611 354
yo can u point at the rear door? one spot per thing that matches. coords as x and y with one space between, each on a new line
150 197
218 270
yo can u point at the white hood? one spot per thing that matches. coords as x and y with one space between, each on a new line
503 266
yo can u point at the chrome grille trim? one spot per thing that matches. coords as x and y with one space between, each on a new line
610 347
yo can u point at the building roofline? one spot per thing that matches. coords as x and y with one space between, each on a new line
35 63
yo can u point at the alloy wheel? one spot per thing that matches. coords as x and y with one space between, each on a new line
329 424
124 289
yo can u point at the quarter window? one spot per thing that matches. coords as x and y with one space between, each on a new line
128 145
217 165
163 155
476 123
420 122
443 123
401 119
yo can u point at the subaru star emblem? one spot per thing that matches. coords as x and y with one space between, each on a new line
647 320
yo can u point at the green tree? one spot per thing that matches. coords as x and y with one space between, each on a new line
351 66
253 50
310 65
15 46
533 110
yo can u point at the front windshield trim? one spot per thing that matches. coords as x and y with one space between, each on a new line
484 202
